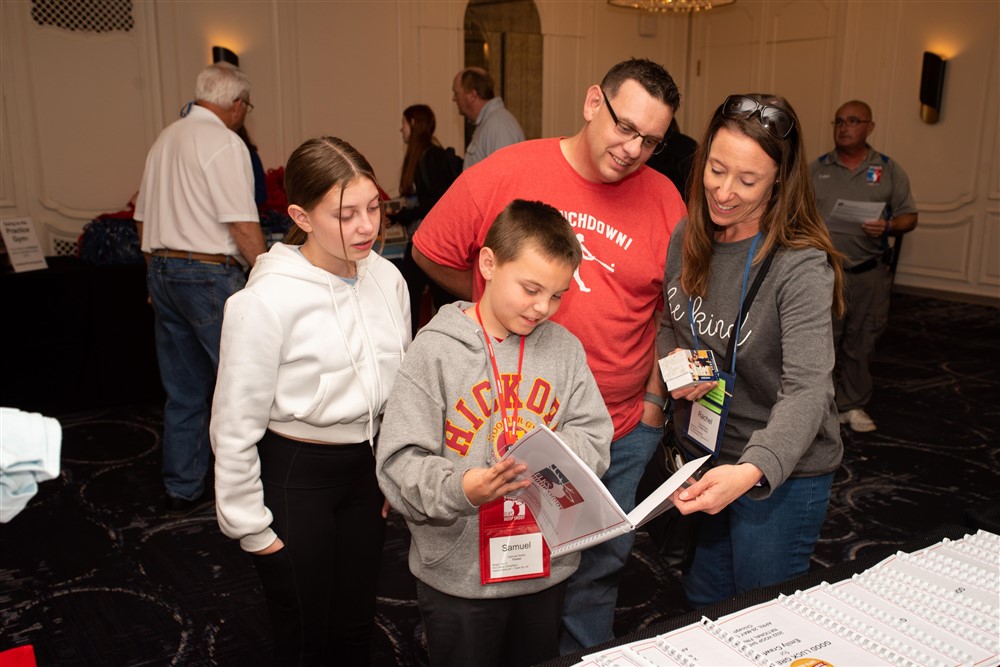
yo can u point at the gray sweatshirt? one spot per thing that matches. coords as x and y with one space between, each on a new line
442 419
782 418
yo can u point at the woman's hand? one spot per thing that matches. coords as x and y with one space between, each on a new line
717 488
481 485
275 546
694 392
385 508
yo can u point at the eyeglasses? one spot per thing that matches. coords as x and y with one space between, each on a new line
629 133
246 103
850 121
777 121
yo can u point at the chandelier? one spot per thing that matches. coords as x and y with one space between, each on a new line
681 6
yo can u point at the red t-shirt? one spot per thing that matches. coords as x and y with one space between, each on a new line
624 229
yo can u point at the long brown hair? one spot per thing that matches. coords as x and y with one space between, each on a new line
316 167
422 125
790 218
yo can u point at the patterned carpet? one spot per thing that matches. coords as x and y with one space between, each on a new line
93 573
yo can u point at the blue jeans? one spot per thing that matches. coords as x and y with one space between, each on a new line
188 299
754 543
589 612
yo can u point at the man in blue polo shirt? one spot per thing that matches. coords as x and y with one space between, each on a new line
496 127
855 172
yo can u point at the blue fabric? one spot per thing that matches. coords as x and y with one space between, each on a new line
754 543
107 240
592 592
188 300
259 178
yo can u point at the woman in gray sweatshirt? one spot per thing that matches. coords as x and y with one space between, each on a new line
772 424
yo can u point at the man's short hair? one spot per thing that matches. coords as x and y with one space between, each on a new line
523 223
477 80
222 84
651 76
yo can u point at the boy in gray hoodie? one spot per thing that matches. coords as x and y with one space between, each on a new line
476 378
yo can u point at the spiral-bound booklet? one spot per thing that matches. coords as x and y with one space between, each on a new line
573 508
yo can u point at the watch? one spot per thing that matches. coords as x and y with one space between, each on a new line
658 401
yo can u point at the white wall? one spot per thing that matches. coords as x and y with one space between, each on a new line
79 110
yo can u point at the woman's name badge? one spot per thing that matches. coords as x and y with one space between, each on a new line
511 545
707 423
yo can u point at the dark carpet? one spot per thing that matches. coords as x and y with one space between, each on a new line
93 572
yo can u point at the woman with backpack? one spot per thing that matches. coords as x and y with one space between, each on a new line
428 171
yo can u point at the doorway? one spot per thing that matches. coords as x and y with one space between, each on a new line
504 37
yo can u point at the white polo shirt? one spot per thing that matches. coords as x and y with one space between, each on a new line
197 179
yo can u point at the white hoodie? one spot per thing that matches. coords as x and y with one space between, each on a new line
307 356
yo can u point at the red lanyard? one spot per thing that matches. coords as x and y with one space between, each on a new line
509 427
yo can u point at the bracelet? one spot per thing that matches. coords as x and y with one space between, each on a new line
658 401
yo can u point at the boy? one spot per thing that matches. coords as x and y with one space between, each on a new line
460 398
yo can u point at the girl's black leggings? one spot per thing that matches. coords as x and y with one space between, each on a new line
320 588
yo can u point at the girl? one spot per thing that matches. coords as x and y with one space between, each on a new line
310 349
428 171
776 436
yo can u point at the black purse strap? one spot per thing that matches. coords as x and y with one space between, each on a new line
748 301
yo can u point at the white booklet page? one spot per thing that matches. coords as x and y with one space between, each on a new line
573 508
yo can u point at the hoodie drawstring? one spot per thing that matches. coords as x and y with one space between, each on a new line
377 378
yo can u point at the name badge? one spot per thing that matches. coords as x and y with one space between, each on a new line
511 545
707 422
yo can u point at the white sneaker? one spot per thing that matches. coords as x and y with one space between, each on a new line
859 421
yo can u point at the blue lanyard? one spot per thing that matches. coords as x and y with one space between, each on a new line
739 322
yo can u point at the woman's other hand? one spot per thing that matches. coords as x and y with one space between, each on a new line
717 488
694 392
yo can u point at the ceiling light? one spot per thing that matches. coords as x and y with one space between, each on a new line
682 6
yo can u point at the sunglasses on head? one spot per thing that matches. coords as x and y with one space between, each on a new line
777 121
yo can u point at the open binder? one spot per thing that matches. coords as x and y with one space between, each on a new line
573 508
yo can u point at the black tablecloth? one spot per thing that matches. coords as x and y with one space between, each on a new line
76 336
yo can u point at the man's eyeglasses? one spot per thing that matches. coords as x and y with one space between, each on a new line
777 121
629 133
850 121
246 103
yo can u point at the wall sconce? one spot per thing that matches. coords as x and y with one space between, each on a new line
931 87
222 54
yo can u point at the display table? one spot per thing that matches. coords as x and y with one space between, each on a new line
77 337
906 588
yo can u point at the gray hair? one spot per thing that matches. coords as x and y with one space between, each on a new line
221 84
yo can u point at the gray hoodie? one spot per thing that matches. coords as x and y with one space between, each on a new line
441 420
